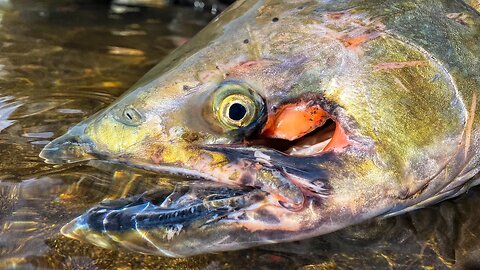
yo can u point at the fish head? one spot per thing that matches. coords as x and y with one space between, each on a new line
298 120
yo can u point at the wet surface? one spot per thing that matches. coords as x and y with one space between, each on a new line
60 63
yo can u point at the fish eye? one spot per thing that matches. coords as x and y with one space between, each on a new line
130 116
237 111
236 105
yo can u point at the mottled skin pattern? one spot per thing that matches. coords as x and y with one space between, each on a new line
401 78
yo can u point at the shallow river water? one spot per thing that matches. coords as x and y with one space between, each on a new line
62 61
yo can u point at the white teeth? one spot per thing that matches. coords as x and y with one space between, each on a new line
171 232
259 154
262 157
166 201
214 217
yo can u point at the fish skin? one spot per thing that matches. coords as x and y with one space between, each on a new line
401 78
475 4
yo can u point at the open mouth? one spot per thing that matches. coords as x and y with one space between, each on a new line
272 178
314 142
271 174
310 144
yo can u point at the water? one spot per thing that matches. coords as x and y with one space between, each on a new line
62 61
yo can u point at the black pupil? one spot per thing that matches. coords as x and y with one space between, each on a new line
237 111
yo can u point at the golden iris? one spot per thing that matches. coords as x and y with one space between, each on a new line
236 106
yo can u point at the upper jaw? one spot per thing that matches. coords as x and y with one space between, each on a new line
73 146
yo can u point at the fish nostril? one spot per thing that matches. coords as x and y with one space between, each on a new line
129 116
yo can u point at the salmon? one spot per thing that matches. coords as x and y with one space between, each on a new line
285 120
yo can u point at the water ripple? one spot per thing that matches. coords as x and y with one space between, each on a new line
7 107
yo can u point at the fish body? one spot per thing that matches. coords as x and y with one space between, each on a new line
288 120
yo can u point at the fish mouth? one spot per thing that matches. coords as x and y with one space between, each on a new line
313 143
75 146
163 221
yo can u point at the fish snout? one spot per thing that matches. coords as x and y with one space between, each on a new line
73 146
